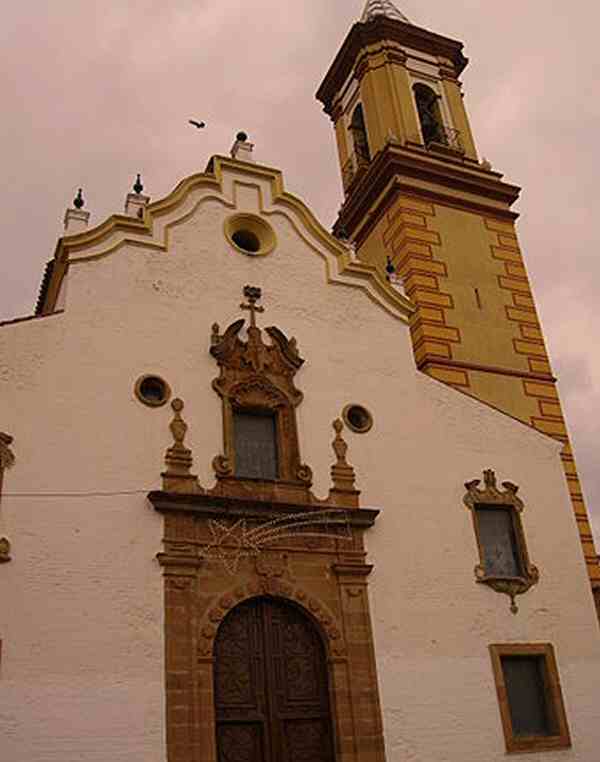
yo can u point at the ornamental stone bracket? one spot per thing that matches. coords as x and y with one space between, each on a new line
491 496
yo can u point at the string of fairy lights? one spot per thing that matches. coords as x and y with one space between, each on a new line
232 542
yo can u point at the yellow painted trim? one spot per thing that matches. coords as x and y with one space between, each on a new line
346 270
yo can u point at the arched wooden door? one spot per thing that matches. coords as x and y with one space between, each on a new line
271 686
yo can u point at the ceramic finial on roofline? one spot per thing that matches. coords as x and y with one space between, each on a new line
76 217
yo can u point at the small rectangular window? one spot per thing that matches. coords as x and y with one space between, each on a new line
530 697
497 536
526 688
255 442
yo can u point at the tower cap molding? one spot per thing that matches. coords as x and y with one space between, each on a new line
385 29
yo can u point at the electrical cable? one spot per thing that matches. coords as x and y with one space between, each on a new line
75 494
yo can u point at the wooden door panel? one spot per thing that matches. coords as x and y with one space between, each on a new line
302 663
307 741
271 686
239 665
240 742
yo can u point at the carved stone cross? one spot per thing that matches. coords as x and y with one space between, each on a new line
252 294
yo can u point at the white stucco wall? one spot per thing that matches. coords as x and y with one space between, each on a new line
81 616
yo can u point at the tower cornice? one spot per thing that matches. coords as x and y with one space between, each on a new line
379 29
397 169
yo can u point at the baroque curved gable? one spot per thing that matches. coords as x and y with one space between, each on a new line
222 183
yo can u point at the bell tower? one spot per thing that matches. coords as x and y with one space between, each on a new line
417 196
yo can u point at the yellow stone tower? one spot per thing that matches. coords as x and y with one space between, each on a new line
417 196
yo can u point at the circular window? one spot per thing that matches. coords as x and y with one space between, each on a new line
246 240
152 390
250 234
357 418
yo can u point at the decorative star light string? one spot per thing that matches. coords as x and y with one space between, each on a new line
233 543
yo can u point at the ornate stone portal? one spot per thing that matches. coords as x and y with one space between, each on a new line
273 539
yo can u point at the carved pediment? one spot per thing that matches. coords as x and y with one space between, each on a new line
490 494
257 391
244 365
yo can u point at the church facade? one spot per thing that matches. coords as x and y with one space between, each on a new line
273 493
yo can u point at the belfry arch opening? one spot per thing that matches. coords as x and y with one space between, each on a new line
360 138
271 685
430 114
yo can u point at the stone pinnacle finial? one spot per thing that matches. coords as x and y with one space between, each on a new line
78 201
375 8
242 149
178 457
76 217
342 474
136 202
177 477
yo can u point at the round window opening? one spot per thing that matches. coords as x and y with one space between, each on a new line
250 234
152 391
246 240
357 418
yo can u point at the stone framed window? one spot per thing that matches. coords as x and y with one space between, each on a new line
530 697
261 452
500 540
504 563
256 445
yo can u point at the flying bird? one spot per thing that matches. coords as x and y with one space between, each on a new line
199 125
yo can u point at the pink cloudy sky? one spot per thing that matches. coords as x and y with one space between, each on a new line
94 92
